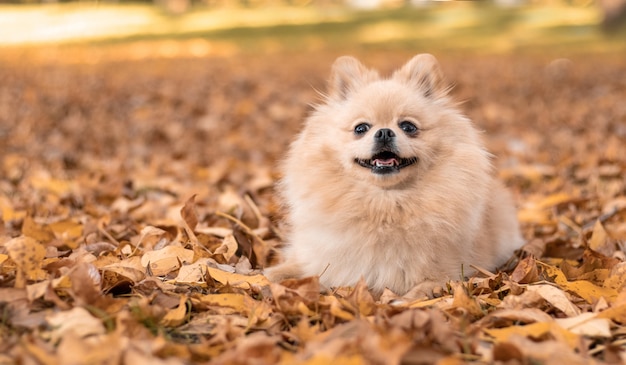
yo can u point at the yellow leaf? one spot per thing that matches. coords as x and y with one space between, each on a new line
237 280
615 313
598 237
28 255
40 232
336 307
235 301
420 303
305 310
67 229
584 289
463 302
7 213
322 359
56 186
536 216
175 317
538 211
533 330
258 311
554 199
452 360
617 277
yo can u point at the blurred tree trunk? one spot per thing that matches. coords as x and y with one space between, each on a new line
614 12
175 7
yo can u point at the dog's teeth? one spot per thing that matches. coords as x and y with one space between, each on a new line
387 162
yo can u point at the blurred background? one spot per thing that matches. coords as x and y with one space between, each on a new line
222 26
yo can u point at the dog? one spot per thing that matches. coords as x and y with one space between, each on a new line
390 183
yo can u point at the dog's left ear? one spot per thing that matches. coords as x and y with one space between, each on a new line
346 76
423 72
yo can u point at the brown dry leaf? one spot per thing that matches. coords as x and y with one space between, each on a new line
599 241
464 304
526 315
28 255
130 268
39 232
102 350
175 317
152 237
77 321
555 297
336 308
192 274
166 260
190 218
586 324
526 271
362 299
228 248
237 280
550 352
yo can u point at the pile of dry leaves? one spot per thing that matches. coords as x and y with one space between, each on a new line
137 213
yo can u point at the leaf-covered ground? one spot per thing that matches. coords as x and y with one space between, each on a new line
137 211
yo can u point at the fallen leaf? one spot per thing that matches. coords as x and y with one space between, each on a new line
526 271
28 255
534 331
235 301
599 239
175 317
39 232
586 324
584 289
77 321
555 297
237 280
190 218
167 259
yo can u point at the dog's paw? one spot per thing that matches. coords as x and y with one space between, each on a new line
425 290
284 271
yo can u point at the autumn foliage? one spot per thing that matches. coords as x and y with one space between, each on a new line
137 214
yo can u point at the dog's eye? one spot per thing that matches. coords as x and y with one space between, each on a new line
361 128
408 127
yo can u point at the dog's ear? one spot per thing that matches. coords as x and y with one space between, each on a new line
348 74
424 73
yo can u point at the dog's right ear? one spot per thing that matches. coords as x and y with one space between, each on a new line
346 75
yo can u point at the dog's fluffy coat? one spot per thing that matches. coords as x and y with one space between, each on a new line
407 213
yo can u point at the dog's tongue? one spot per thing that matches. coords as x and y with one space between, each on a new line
385 162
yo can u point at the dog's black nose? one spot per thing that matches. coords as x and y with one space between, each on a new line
384 135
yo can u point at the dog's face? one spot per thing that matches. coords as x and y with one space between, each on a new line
388 127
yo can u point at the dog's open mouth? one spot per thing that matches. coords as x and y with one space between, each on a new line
386 162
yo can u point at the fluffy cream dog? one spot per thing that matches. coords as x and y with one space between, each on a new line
389 182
